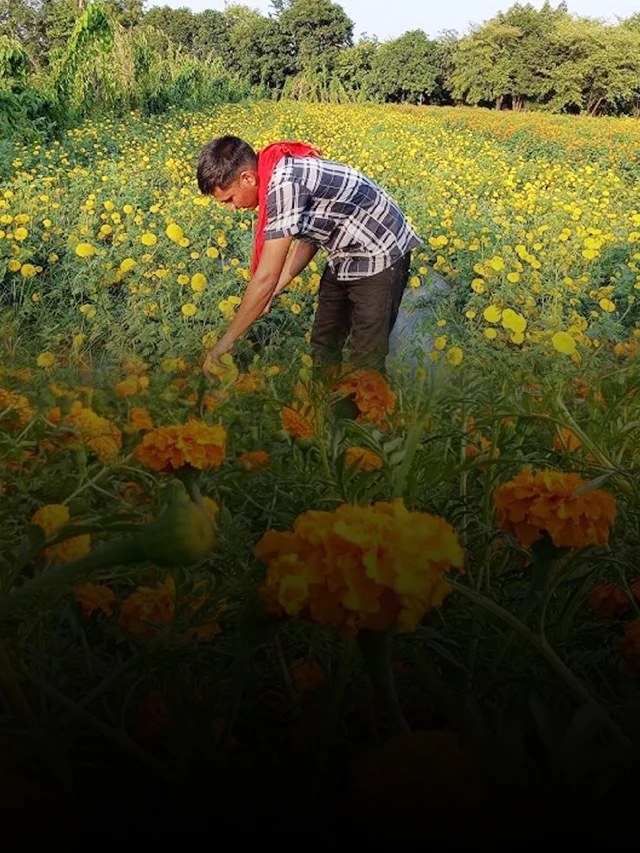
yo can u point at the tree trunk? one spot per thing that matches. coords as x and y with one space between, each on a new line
593 108
499 100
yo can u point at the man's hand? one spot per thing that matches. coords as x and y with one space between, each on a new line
269 305
212 361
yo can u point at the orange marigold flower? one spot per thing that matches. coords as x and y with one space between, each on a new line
360 567
209 402
371 394
255 460
296 424
609 601
132 385
139 418
481 446
95 596
93 431
15 409
545 501
148 607
168 448
629 646
363 459
51 518
249 383
567 441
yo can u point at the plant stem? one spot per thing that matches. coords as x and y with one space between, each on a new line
559 667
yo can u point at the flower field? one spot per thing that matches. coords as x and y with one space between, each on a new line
237 591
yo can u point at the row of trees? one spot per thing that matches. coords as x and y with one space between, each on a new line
522 58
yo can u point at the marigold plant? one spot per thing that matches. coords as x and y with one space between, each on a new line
535 503
360 567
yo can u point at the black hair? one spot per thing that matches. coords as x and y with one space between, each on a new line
221 161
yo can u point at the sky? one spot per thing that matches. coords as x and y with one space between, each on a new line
388 19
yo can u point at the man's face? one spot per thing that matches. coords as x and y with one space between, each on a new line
243 192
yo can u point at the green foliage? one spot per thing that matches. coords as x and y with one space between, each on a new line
317 30
406 69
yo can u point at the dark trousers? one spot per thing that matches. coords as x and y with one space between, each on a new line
367 309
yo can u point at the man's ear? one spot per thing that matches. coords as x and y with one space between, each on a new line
249 176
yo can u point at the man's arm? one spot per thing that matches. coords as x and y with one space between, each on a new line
298 259
257 296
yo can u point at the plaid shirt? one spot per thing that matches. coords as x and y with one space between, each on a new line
340 210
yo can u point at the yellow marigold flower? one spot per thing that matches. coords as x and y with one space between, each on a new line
20 234
148 239
127 264
46 359
513 321
478 286
532 504
564 343
14 265
440 342
255 460
360 567
94 596
168 448
607 305
198 282
189 309
15 409
608 601
455 356
492 314
174 232
139 419
363 459
212 252
85 250
28 271
513 277
490 334
51 518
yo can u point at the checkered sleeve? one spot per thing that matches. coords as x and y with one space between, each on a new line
286 203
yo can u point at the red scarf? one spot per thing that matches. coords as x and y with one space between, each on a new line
267 159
